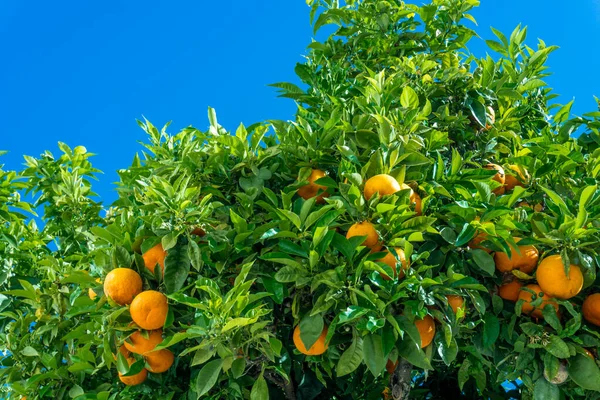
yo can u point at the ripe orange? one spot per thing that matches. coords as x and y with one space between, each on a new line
149 310
122 285
367 229
527 308
159 361
198 232
455 302
414 198
591 309
91 294
552 278
525 262
476 241
134 379
510 291
426 327
123 351
382 184
499 177
390 367
155 255
318 348
517 178
311 189
137 343
391 260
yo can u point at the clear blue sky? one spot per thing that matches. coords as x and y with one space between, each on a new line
81 72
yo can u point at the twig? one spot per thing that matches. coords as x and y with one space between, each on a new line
286 386
400 380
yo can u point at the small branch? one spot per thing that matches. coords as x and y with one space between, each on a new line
286 386
400 381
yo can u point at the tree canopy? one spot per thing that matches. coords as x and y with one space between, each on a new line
425 226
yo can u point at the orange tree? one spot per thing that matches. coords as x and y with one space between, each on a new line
426 226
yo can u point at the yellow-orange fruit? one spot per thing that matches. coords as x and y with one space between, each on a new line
499 177
476 241
552 278
136 379
311 189
591 309
159 361
122 285
390 366
138 344
455 302
149 310
426 327
510 291
527 308
155 255
390 260
414 198
383 184
198 232
318 348
524 262
367 229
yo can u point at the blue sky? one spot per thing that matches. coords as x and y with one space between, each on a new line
81 72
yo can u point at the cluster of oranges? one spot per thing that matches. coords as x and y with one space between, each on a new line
383 185
148 310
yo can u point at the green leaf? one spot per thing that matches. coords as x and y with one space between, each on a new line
238 367
311 328
208 377
478 112
467 233
584 372
177 266
260 390
373 354
484 261
557 347
29 351
351 358
544 390
409 98
491 329
239 223
411 351
447 352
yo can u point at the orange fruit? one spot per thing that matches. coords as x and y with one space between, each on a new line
92 295
383 184
525 261
455 302
527 308
149 310
390 366
476 241
510 291
134 379
137 343
311 189
591 309
198 232
367 229
159 361
552 278
155 255
391 260
414 198
499 177
123 350
122 285
318 348
517 178
426 327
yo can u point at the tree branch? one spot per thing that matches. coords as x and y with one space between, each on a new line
400 381
286 386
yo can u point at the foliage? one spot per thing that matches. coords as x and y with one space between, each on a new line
393 90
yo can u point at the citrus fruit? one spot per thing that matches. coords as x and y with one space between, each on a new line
510 291
367 229
476 241
524 259
318 348
149 310
591 309
499 177
528 298
426 327
390 366
137 343
552 278
122 285
159 361
311 189
414 198
383 184
155 255
391 260
517 177
198 232
134 379
455 302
